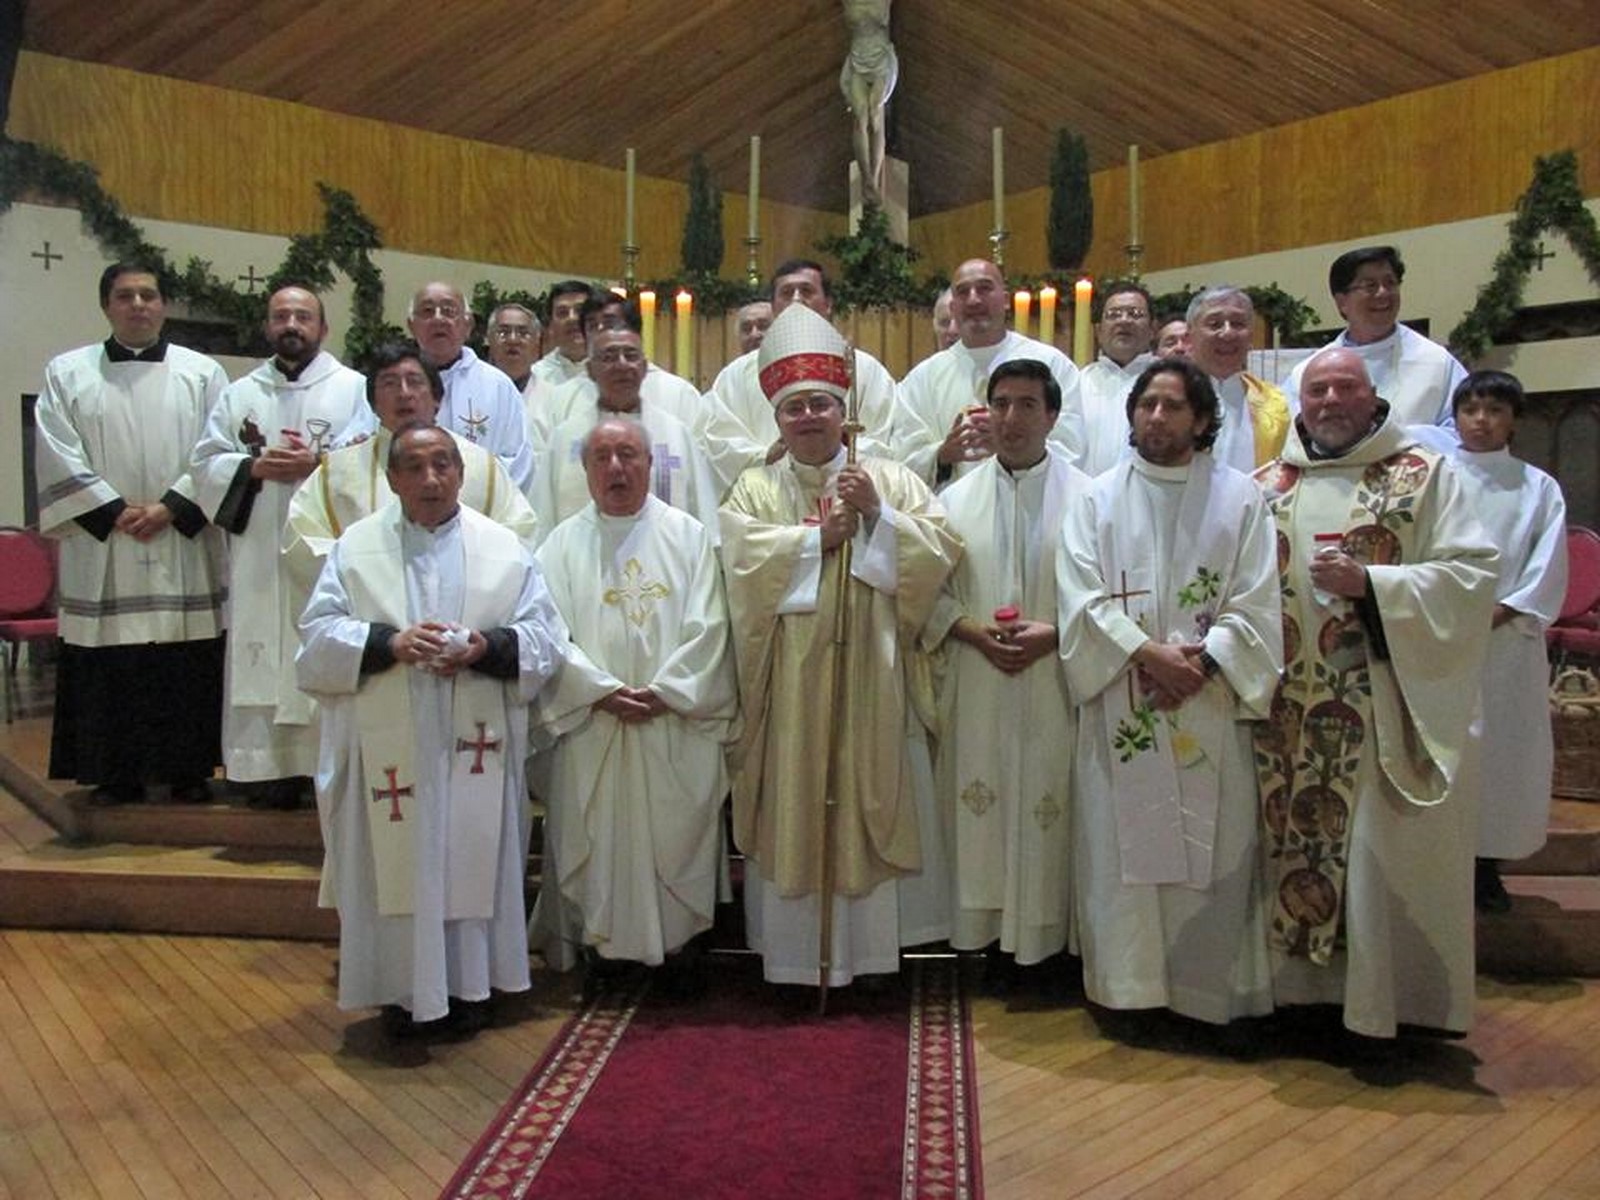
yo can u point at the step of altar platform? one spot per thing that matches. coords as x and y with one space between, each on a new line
217 890
1573 846
221 868
1553 927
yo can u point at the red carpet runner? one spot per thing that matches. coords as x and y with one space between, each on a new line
741 1094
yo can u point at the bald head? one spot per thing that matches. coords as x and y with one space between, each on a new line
1338 404
440 322
616 463
978 302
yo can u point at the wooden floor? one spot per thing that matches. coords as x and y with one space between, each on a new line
150 1067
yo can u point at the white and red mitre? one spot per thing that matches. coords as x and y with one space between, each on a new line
802 352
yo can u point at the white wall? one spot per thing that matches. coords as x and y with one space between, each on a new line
43 313
1445 267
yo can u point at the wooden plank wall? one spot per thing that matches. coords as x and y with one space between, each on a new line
180 151
898 339
1443 154
1461 150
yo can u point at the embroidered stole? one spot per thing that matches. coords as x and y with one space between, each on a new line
474 777
1165 766
1308 752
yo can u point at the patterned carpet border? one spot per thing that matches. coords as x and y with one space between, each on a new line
507 1158
942 1147
940 1153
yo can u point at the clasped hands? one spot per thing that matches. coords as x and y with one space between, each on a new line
142 522
1169 673
632 705
437 647
1011 647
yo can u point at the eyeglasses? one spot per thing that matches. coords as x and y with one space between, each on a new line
799 406
411 381
1371 287
510 333
427 312
1126 314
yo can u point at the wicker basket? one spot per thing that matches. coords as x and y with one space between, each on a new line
1575 721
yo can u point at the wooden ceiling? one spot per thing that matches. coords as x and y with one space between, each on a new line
672 77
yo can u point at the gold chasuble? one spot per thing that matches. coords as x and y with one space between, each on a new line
785 664
1358 723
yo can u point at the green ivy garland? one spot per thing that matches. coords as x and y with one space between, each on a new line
1553 201
346 242
874 269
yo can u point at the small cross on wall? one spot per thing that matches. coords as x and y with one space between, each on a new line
48 256
250 278
1540 254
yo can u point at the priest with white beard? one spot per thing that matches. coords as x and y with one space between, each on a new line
680 476
736 425
1416 376
1171 641
267 433
351 482
782 528
1368 790
1522 511
428 633
1003 784
139 684
940 424
480 403
1123 332
641 709
1253 414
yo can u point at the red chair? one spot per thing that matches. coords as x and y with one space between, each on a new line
1577 630
27 597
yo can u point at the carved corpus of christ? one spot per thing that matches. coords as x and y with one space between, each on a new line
867 80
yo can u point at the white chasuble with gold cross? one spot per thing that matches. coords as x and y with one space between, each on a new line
634 808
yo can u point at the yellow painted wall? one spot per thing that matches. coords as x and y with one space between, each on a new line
188 152
1443 154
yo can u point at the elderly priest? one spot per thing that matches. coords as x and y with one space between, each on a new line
643 704
429 631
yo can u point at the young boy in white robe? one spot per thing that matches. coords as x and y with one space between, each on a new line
1521 509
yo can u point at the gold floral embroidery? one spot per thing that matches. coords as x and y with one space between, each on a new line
637 596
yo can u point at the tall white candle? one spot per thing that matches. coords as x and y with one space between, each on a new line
627 220
1133 195
999 178
755 186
